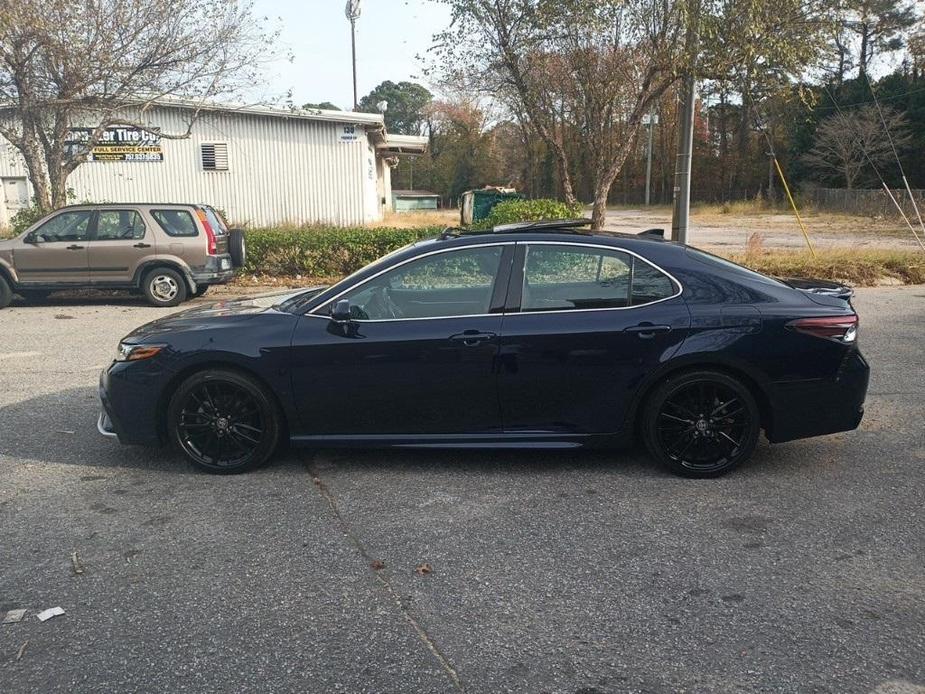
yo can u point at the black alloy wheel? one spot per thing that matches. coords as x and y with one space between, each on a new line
701 424
224 421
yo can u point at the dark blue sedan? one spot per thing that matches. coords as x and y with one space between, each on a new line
537 335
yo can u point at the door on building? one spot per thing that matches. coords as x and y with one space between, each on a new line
15 195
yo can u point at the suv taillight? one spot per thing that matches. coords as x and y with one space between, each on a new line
210 233
839 328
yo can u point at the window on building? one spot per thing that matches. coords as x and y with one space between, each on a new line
214 156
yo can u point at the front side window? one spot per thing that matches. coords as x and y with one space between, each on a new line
562 278
119 225
176 222
67 226
455 283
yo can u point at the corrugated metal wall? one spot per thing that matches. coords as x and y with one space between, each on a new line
281 170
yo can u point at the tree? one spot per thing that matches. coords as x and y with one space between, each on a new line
406 109
92 64
572 68
323 106
878 26
850 143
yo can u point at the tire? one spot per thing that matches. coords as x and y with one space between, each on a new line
6 293
236 247
224 422
701 423
200 290
164 286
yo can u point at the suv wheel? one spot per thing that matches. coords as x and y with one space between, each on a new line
223 421
164 287
6 293
701 423
236 247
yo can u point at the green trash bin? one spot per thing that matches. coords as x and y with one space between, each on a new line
476 205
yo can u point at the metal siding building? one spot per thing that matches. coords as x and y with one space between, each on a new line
283 166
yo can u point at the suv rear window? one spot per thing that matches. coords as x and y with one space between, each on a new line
176 222
215 221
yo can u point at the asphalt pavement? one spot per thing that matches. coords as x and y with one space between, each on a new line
341 571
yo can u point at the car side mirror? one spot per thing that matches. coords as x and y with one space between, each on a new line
31 237
341 311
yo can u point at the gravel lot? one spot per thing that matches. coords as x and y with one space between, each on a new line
551 572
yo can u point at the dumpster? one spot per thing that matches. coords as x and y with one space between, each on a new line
475 205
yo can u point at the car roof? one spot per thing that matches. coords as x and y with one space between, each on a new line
108 205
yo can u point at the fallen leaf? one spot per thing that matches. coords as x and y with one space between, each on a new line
377 565
423 569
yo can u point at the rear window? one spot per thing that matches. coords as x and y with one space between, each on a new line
215 221
176 222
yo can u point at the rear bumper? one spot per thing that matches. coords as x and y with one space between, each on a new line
802 409
217 270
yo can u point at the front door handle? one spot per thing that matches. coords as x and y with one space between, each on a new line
75 247
471 338
646 331
142 245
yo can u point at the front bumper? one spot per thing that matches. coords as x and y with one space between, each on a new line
802 409
129 399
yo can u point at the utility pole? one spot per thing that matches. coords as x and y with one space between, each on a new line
352 10
682 177
650 120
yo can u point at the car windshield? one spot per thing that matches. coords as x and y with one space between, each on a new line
297 302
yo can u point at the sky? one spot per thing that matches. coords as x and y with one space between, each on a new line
390 34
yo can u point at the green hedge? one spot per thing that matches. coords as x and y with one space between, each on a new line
323 251
510 211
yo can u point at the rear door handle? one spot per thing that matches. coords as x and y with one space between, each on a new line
75 247
470 338
646 331
142 245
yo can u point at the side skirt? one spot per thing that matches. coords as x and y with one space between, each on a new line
539 440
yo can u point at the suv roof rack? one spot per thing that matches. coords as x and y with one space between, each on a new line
565 225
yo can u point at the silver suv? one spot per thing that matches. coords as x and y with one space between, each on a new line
169 252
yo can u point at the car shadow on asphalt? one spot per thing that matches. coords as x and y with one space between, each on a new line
60 428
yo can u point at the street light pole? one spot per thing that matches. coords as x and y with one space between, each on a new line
352 10
652 120
682 178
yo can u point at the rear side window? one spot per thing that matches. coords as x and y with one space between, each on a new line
176 222
562 278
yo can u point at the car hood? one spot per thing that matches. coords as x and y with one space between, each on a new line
219 314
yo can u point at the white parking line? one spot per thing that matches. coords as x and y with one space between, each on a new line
18 355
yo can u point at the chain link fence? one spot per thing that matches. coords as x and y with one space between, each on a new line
873 202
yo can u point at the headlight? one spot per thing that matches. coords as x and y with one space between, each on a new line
129 352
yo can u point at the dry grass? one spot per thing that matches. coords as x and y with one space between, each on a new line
857 267
410 220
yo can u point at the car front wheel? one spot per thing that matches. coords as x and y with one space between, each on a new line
224 421
164 287
701 423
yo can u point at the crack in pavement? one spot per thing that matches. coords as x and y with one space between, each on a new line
382 576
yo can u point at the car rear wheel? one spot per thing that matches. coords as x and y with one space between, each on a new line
164 287
223 421
701 423
6 293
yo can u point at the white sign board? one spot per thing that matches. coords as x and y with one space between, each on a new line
348 133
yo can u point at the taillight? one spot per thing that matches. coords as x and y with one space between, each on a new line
210 234
839 328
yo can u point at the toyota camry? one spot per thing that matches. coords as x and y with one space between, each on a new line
538 335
